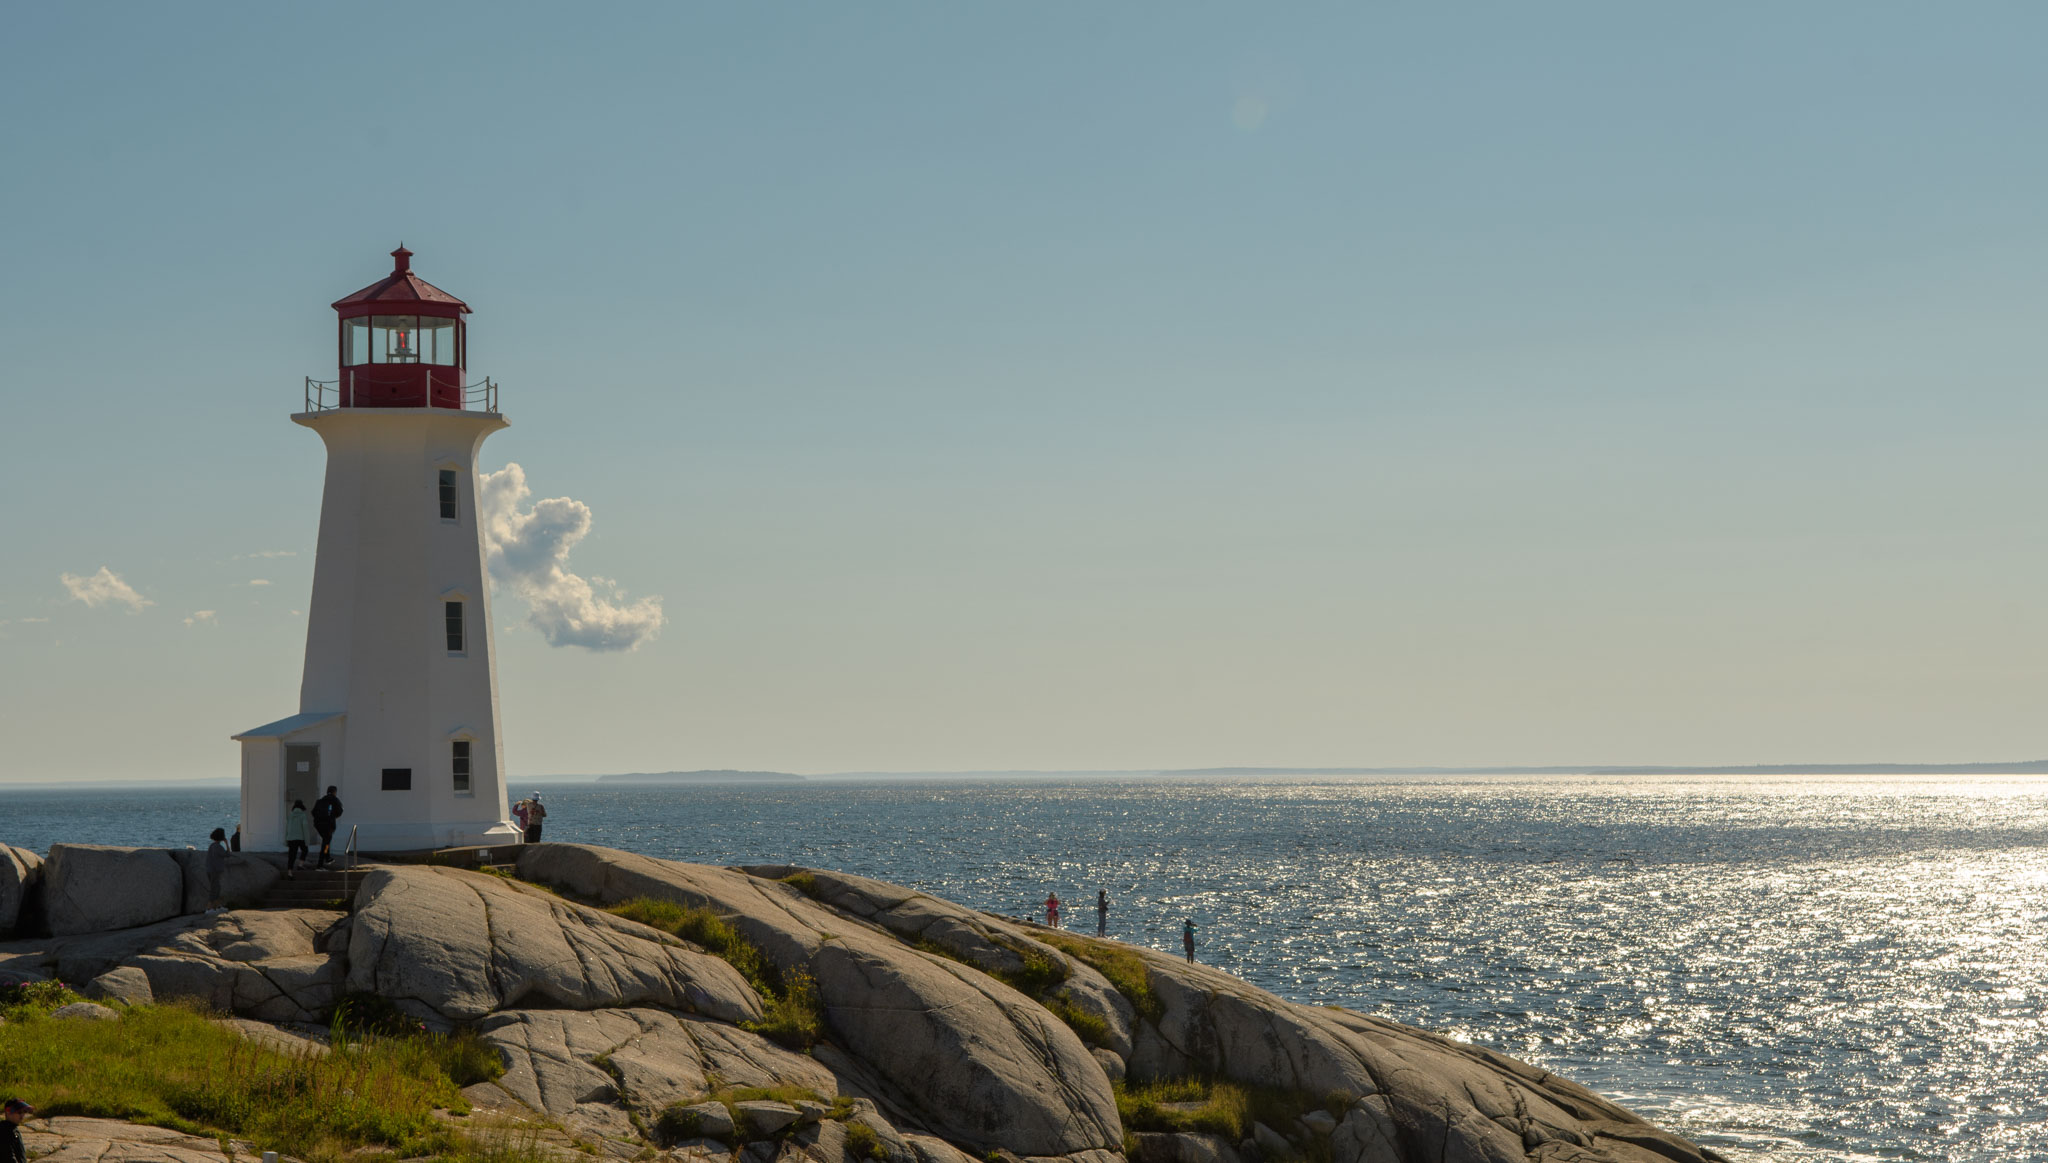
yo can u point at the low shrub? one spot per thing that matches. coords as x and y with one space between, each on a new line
795 1017
804 883
20 999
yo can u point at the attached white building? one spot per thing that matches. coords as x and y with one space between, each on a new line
398 707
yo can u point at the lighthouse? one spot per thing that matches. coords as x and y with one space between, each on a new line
398 705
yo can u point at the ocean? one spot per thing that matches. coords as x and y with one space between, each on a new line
1782 968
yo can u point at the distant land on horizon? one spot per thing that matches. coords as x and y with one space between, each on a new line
719 776
2016 767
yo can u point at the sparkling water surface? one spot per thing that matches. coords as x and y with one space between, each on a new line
1835 968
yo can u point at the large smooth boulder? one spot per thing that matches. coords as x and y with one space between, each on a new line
949 1047
457 946
88 888
243 883
21 879
274 965
585 1068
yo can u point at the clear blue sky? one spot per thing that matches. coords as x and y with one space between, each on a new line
1055 386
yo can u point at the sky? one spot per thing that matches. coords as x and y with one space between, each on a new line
963 387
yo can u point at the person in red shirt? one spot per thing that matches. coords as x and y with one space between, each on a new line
1052 911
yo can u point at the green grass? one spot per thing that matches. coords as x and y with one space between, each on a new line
863 1143
1221 1107
794 1015
174 1067
804 883
1090 1028
1123 967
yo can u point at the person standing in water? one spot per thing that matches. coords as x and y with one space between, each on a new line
1187 938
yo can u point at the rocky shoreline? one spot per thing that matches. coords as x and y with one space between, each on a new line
937 1034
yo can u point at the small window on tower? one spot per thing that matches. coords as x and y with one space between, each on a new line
454 613
461 758
447 494
397 779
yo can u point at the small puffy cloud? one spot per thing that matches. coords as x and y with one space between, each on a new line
200 617
259 581
529 553
105 588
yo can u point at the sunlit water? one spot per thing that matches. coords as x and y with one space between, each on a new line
1784 969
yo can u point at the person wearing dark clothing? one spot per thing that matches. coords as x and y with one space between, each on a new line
235 841
1187 939
1101 912
216 868
11 1148
535 815
326 813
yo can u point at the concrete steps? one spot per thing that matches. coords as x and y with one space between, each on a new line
330 888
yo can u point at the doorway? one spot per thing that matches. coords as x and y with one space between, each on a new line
301 773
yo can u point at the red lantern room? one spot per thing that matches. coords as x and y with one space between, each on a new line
403 343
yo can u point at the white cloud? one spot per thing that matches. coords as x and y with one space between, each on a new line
104 587
200 616
268 553
529 552
25 621
259 581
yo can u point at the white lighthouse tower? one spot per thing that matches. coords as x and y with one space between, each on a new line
398 707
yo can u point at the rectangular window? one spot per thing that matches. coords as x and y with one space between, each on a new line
356 345
447 494
437 341
462 767
398 779
454 612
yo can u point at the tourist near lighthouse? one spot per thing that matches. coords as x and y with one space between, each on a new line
398 706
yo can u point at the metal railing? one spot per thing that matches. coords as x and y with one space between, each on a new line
350 851
325 396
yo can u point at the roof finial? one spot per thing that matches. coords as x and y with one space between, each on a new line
401 260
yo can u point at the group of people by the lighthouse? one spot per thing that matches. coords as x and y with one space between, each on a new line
1052 920
301 825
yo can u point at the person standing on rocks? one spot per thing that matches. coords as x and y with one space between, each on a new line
1052 910
535 815
1187 938
519 811
298 836
216 868
326 814
11 1148
1102 912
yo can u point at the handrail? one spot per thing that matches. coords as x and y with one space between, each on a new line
350 851
325 396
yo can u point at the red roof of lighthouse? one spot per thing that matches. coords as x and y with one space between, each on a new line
401 292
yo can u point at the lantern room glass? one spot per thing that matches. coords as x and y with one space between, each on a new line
405 339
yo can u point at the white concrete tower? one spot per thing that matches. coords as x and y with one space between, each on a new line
398 707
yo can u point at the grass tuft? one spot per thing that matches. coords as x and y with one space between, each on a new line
804 883
795 1017
863 1143
1090 1028
1123 967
